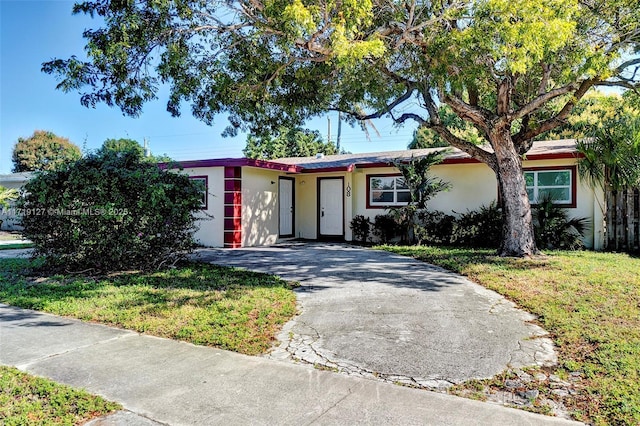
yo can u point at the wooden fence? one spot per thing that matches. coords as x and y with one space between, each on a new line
623 220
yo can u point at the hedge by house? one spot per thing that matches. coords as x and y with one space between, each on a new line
110 211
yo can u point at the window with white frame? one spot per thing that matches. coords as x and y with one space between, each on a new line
387 190
202 183
556 183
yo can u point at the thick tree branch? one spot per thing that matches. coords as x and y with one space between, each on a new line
476 115
542 99
558 119
544 81
473 150
624 84
623 66
386 110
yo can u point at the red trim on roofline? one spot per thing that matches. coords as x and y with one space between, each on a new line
471 160
348 168
292 168
552 156
234 162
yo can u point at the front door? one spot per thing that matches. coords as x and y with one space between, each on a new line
285 201
331 208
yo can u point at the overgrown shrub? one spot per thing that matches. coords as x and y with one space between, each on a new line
404 218
478 228
385 228
110 212
433 227
554 229
361 227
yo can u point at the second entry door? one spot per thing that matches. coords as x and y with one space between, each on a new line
330 207
285 201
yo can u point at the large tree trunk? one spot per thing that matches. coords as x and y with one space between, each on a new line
518 238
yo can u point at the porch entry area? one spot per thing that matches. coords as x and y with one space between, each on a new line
331 208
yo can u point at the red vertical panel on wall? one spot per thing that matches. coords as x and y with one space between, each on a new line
232 207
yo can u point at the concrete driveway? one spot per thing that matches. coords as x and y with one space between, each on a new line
379 315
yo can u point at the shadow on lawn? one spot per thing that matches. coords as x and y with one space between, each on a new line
456 259
22 284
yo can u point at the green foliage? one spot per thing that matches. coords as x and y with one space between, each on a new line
285 62
422 187
287 142
425 137
478 228
554 229
595 110
110 212
30 400
361 227
434 227
126 145
7 195
421 184
43 151
404 218
122 145
203 304
499 65
611 157
385 228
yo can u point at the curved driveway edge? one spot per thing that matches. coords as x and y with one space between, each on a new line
165 382
380 315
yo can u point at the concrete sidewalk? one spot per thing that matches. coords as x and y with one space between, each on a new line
161 381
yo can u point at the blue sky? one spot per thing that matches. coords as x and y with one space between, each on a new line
33 32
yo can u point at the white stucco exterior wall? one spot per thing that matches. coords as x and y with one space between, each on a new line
474 185
306 206
306 187
211 219
259 207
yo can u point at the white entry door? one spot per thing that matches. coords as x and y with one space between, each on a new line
285 200
331 208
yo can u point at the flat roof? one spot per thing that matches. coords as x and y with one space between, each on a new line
541 150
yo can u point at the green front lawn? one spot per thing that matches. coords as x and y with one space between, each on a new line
199 303
29 400
15 246
589 302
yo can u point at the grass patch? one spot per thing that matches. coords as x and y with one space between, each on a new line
196 302
588 301
16 246
27 400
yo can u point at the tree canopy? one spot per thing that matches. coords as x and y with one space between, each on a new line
595 111
287 142
111 211
122 145
43 151
497 64
131 145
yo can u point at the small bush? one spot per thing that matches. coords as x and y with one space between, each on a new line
361 227
385 228
433 227
478 228
110 212
555 230
404 218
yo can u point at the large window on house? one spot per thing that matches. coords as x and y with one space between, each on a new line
203 182
387 190
557 182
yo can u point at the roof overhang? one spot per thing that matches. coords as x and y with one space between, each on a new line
350 167
233 162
